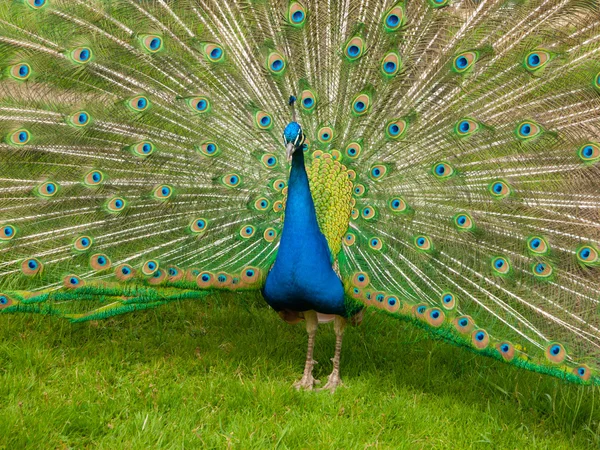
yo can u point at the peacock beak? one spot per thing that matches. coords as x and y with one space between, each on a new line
289 150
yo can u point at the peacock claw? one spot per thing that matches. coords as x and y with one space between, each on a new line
307 382
333 382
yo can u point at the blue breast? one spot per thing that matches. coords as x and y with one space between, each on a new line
302 277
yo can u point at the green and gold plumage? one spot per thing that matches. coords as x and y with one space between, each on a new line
452 152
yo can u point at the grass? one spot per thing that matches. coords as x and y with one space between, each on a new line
218 374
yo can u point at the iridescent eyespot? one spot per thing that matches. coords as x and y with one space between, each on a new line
157 277
5 301
358 190
151 42
262 204
377 172
20 72
500 265
466 127
555 353
150 267
269 160
353 150
541 269
276 63
325 135
296 14
214 52
390 64
397 204
419 310
464 324
390 302
278 206
142 149
597 81
270 234
31 267
93 178
278 185
536 59
138 103
81 55
205 279
263 120
199 104
250 275
116 204
439 3
354 48
375 243
395 128
308 100
231 180
527 130
99 262
175 274
448 300
48 189
442 170
434 317
82 243
360 279
349 239
209 149
480 339
463 222
36 4
124 272
394 18
588 255
589 153
499 189
163 192
361 104
19 137
7 232
583 372
72 282
538 245
79 119
198 225
423 243
368 212
506 350
464 61
247 231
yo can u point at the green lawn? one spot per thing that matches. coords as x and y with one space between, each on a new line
218 374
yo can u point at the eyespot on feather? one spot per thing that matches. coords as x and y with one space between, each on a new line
423 243
555 353
269 160
360 280
270 234
398 205
81 55
138 103
7 232
82 243
36 4
100 262
124 272
442 170
116 204
198 225
354 48
466 127
205 279
353 150
20 72
278 206
589 153
375 243
434 317
93 178
464 61
394 18
396 128
250 275
536 59
262 204
537 245
464 324
48 189
463 222
500 265
419 311
296 14
541 269
480 339
528 130
142 149
157 277
506 350
390 302
325 135
361 104
588 255
19 137
390 65
276 63
79 119
263 120
72 282
448 301
439 3
499 189
231 180
149 267
214 52
358 190
163 192
5 301
174 274
349 239
247 231
583 372
368 212
199 104
308 101
152 43
377 172
31 267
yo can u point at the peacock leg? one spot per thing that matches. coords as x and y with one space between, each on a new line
334 379
308 382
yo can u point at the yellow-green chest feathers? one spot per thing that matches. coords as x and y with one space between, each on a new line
331 190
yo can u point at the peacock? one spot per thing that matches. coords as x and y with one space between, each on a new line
433 160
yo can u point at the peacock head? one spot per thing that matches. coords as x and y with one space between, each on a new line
293 138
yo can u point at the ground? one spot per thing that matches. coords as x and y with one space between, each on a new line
219 374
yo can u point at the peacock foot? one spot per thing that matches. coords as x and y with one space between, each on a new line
307 382
333 381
